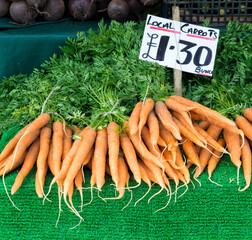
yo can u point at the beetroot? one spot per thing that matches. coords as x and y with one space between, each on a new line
53 10
118 10
23 13
82 9
149 2
36 3
136 8
4 7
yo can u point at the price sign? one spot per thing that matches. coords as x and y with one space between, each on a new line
187 47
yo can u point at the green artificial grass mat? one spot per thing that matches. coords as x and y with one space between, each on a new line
206 212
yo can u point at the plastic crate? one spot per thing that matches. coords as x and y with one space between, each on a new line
218 13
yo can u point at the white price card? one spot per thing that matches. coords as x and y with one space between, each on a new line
187 47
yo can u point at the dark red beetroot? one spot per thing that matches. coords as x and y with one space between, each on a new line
53 10
82 9
118 10
149 2
36 3
23 13
137 8
102 5
4 7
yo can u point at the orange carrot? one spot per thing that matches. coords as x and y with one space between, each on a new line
57 140
245 126
10 166
123 178
188 134
211 141
170 141
203 110
190 127
204 125
247 113
246 163
147 107
190 151
12 143
69 158
130 156
27 166
100 153
178 164
113 150
161 142
214 160
67 141
205 154
233 145
27 140
156 152
78 183
152 123
42 164
82 152
38 123
166 118
135 118
76 129
141 148
180 108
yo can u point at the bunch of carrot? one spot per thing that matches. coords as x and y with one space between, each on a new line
151 145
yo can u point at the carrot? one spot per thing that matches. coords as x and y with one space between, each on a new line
204 125
12 143
141 148
82 152
246 163
190 127
161 142
123 178
233 145
23 145
38 123
190 151
113 150
154 173
245 126
67 141
130 156
86 144
153 125
247 113
76 129
27 166
203 110
188 134
214 160
42 165
166 118
68 159
145 178
147 107
89 156
211 141
205 154
100 153
57 141
10 166
180 108
170 141
178 164
135 118
78 183
156 152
